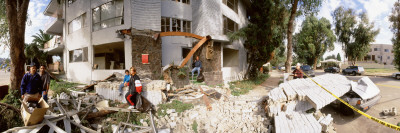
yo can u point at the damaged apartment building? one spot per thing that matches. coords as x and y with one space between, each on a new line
100 37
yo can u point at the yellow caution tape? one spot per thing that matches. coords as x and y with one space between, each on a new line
355 109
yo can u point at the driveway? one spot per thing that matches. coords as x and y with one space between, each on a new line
4 78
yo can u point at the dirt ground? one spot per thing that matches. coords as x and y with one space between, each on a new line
4 78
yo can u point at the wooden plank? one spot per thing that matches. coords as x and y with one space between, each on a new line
79 105
15 129
82 127
36 129
54 127
76 119
194 49
162 34
67 126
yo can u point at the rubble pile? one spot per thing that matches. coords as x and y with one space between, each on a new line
228 114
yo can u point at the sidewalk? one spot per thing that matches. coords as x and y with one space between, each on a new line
269 84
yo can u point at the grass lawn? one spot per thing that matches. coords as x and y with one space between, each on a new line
246 85
380 70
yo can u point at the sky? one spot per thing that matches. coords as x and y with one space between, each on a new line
378 12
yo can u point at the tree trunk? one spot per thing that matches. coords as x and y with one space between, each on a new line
290 36
315 63
16 16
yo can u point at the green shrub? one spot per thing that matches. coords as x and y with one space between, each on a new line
177 105
194 126
246 85
59 87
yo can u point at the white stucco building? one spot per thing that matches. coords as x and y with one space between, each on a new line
91 49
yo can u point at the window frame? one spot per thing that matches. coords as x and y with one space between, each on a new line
114 18
226 21
168 25
80 18
235 4
84 55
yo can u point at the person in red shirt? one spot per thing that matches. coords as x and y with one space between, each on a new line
297 73
135 88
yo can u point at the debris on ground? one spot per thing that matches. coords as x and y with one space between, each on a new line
391 112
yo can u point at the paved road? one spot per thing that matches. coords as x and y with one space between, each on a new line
4 78
390 92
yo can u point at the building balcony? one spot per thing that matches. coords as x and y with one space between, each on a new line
54 46
54 26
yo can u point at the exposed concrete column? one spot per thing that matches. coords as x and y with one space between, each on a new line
128 52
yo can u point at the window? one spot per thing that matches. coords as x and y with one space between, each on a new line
186 1
186 26
376 49
78 55
229 25
177 25
233 4
388 57
108 15
183 1
77 23
70 2
386 50
165 23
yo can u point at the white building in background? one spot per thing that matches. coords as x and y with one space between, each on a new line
91 49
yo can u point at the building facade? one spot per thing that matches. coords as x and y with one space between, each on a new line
91 47
381 53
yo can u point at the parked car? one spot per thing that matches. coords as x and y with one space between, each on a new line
307 70
396 75
363 95
8 69
293 67
332 70
354 70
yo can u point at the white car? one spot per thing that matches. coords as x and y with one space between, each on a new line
396 75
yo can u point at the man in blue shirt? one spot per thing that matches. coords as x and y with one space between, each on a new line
31 85
125 83
197 66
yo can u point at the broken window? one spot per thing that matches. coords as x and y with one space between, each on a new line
233 4
78 55
176 25
108 15
229 25
230 57
77 23
165 23
109 56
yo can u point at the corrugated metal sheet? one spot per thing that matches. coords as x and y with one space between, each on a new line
146 14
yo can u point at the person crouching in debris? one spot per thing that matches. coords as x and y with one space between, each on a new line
31 85
297 72
45 77
197 67
125 82
135 88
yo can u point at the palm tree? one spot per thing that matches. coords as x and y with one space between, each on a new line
41 38
32 52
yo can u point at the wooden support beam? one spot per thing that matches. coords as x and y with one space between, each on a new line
181 34
83 127
54 127
194 49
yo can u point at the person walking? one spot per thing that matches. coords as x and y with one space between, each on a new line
197 66
31 85
125 82
297 73
45 77
135 88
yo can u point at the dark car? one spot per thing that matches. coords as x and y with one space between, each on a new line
332 70
354 70
307 70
